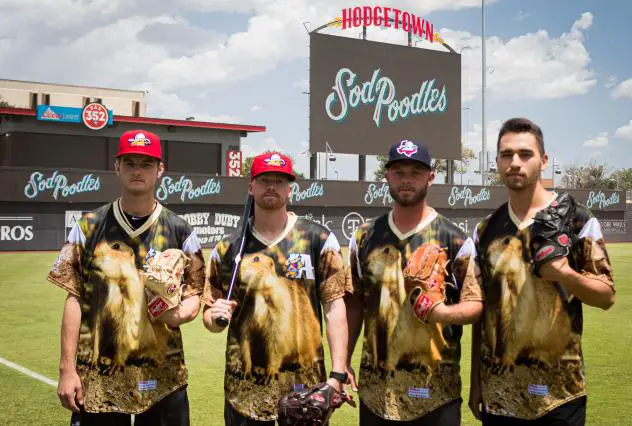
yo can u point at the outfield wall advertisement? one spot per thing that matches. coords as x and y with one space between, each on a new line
73 186
39 207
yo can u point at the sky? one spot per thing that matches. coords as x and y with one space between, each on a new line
564 64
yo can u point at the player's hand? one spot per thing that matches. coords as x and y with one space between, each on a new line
70 390
557 270
438 313
221 308
351 380
476 401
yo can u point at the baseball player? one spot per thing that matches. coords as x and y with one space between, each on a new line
542 257
290 267
415 285
121 347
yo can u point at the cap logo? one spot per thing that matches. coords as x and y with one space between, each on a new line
139 140
407 148
275 160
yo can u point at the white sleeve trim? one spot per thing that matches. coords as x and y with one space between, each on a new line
353 248
468 249
192 244
331 244
475 233
215 255
591 229
76 236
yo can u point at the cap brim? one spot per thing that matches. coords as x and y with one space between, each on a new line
290 176
412 160
134 152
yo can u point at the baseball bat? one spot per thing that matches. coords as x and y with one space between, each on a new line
245 222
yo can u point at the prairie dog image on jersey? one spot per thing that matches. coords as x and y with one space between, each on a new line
384 266
124 308
395 334
414 341
527 316
279 315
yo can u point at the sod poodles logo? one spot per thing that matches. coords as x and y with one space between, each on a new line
349 94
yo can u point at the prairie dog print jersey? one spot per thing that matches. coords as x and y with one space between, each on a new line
275 337
126 362
531 355
408 368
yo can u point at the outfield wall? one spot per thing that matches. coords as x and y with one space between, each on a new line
38 207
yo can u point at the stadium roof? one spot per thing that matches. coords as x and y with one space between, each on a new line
157 121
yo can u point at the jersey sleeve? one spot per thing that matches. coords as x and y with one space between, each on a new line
591 254
67 269
213 283
354 262
467 273
194 275
334 277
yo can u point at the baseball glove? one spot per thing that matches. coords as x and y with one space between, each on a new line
163 281
425 273
311 406
551 232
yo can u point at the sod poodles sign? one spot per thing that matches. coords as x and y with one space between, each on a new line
366 95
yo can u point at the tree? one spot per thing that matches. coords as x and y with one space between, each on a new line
467 155
493 179
572 177
439 166
381 168
622 179
247 164
459 166
591 175
4 104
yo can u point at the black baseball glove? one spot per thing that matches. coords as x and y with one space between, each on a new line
311 406
552 232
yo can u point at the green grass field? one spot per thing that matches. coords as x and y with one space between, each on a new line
30 313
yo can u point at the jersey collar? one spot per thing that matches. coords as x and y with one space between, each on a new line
432 216
525 224
291 221
121 219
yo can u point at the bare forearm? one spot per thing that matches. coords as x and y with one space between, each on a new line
70 324
466 312
475 376
186 312
355 317
590 291
337 333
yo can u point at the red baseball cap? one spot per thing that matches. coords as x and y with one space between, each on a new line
140 142
271 162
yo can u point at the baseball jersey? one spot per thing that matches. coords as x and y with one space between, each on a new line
531 355
408 368
274 338
126 363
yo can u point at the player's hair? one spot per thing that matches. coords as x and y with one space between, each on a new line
522 125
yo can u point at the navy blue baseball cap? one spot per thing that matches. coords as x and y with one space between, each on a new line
409 150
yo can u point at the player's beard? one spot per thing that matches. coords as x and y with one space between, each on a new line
521 182
265 202
409 200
